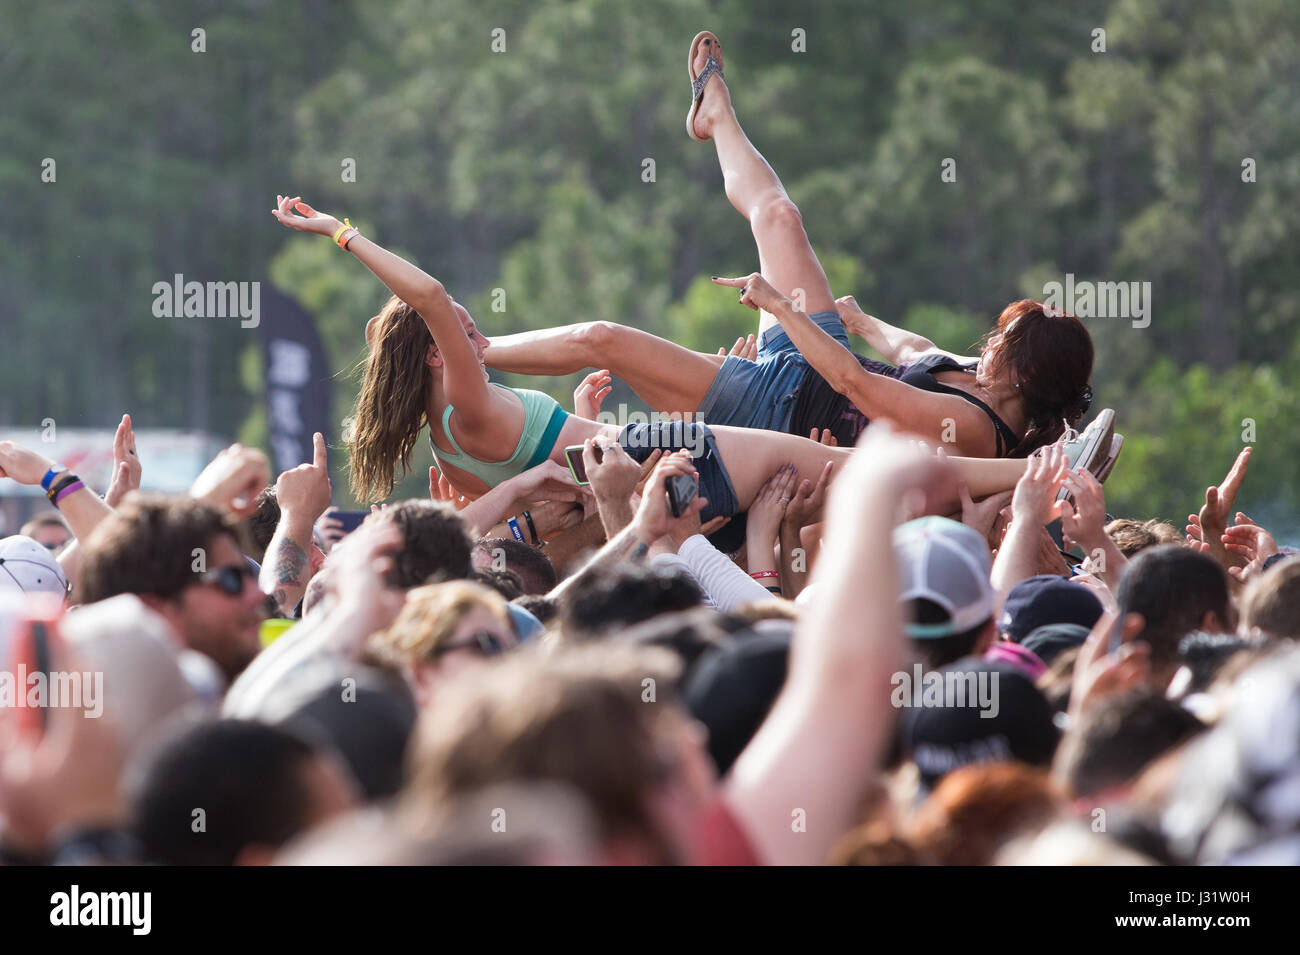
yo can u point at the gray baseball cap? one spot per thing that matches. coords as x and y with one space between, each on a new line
947 563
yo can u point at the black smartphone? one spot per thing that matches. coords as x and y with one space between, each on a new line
350 520
573 454
682 489
34 641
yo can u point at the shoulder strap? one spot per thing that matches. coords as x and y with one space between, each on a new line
938 361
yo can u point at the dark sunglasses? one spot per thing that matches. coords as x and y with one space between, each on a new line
484 643
230 579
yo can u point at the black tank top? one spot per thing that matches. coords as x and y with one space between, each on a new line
821 406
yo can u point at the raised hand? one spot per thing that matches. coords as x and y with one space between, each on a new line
768 509
755 291
126 465
808 500
305 491
296 214
745 347
1212 521
441 490
654 519
1084 522
1246 539
22 465
824 436
982 515
232 480
1099 673
851 314
1035 493
589 394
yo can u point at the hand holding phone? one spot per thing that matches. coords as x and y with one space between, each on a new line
573 454
682 489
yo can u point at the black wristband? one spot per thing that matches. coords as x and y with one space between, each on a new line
532 528
66 479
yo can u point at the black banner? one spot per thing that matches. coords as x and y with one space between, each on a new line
298 380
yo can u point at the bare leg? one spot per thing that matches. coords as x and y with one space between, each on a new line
665 375
752 456
785 256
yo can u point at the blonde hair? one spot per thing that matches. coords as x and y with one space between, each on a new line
430 617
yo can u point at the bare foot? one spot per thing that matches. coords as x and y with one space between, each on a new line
716 103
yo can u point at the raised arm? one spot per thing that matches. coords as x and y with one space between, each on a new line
897 346
876 396
463 378
821 746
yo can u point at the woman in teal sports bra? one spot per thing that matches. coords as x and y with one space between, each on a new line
425 366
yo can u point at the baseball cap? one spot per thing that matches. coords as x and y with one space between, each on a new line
1046 599
1017 727
732 687
1019 656
27 567
1051 641
948 564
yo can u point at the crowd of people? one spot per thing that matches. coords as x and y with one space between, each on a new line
913 637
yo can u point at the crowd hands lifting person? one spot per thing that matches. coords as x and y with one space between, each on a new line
438 670
775 639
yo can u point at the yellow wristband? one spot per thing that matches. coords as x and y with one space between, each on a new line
343 228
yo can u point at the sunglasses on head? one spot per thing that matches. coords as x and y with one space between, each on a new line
485 643
229 580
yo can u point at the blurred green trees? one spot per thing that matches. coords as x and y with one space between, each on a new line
524 171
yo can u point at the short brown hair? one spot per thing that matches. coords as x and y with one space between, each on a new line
435 543
1272 601
147 547
575 717
1133 537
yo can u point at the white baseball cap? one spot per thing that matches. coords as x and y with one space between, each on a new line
27 567
947 563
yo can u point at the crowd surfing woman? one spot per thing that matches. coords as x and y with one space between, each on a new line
425 365
1028 384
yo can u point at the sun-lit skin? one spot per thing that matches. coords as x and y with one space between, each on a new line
477 338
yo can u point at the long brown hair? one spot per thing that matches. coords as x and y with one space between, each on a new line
1049 355
392 401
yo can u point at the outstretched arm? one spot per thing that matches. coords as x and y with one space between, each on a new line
876 396
897 346
463 379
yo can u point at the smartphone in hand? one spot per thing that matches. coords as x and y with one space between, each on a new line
682 489
34 643
573 454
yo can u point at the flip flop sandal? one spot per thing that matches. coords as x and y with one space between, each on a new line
698 82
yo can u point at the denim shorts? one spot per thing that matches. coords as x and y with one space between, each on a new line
639 440
762 393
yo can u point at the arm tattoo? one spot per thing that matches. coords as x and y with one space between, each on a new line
290 562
